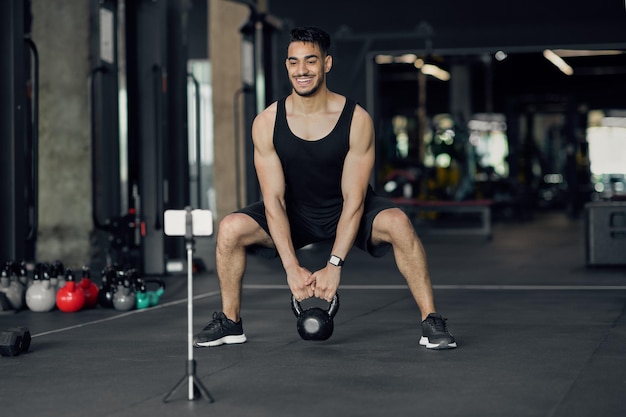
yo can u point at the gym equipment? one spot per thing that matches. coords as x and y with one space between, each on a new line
315 323
89 289
22 273
56 272
181 223
123 292
4 303
60 282
147 298
13 289
70 298
41 296
605 233
105 295
14 341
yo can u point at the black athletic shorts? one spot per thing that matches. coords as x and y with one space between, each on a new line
374 204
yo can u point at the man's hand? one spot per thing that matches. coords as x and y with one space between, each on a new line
299 281
325 282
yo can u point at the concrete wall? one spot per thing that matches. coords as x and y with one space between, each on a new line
61 33
225 20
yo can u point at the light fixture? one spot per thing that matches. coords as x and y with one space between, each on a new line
569 53
405 59
432 70
426 68
500 55
558 62
384 59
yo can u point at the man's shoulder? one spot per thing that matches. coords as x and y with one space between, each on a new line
358 109
360 114
268 115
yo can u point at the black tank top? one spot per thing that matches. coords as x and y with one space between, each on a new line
313 170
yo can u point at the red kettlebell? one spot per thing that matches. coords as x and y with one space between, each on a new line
70 298
89 289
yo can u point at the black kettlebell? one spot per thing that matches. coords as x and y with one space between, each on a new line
315 323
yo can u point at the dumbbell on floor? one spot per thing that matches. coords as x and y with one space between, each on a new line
14 341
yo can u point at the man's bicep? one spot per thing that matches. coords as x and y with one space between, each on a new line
360 159
362 134
266 162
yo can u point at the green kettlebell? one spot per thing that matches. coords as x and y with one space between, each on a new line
148 298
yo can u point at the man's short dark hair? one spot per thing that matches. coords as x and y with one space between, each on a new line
311 34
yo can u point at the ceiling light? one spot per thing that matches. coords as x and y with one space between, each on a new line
435 71
558 62
500 55
405 59
568 53
384 59
431 69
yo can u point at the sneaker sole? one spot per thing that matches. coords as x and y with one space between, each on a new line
438 346
226 340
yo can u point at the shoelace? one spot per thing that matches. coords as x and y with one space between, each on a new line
438 323
218 320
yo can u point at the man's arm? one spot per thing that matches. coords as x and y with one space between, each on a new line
272 181
356 174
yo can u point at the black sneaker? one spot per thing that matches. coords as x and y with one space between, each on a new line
221 330
435 334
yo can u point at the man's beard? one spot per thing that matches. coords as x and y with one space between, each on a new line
310 92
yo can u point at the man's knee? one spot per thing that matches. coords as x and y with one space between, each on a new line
395 218
231 227
237 229
392 223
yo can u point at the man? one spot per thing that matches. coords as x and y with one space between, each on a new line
314 154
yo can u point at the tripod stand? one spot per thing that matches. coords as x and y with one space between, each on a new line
195 387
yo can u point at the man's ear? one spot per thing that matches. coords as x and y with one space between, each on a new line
328 63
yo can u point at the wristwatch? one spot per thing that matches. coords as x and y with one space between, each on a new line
335 260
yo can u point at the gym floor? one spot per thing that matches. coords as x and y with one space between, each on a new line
539 334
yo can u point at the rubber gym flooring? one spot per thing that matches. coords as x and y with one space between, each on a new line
539 334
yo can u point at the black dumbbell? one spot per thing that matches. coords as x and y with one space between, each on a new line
14 341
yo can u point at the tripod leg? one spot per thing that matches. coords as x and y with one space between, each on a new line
195 385
198 387
176 387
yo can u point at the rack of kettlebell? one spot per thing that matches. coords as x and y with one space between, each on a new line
52 286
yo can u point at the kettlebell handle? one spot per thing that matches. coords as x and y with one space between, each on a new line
332 308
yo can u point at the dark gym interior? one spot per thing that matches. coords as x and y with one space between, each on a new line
500 129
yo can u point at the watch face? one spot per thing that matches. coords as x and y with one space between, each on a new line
335 260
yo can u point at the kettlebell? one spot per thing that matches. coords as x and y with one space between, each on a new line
22 273
56 272
148 298
315 323
124 293
70 298
105 295
89 288
40 296
12 287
